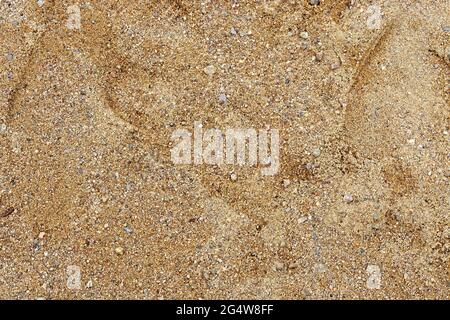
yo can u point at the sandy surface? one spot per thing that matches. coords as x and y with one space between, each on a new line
360 207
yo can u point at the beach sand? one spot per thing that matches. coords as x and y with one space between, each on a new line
93 207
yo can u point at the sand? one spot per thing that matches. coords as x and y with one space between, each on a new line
93 207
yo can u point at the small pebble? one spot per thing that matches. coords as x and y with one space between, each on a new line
233 176
319 56
316 152
41 235
446 29
9 56
293 265
128 230
342 102
233 31
40 3
304 35
335 66
3 127
89 284
119 251
302 219
348 198
314 2
209 70
222 98
286 183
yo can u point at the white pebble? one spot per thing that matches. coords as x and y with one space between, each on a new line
348 198
209 70
316 152
335 66
304 35
222 98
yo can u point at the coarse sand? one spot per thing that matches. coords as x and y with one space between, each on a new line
93 207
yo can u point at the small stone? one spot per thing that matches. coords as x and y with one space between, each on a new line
119 251
286 183
446 29
302 219
348 198
9 56
304 35
342 102
374 279
40 3
335 65
209 70
314 2
233 176
319 56
233 31
222 98
316 152
41 235
279 266
128 230
2 127
89 284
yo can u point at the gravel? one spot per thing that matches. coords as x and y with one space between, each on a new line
222 98
209 70
348 198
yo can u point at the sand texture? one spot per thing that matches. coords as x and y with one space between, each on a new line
91 92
